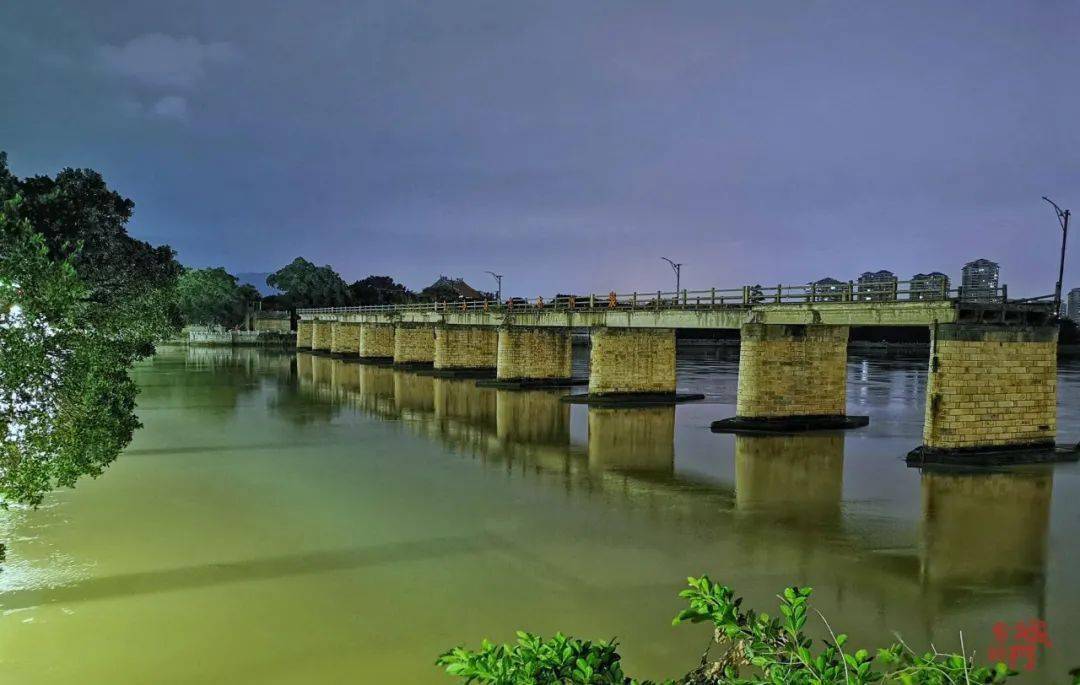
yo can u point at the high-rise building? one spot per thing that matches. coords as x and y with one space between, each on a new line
876 285
1073 305
829 290
931 286
980 280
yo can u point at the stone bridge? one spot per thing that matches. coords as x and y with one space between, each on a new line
992 382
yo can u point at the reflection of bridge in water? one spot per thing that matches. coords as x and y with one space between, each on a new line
964 554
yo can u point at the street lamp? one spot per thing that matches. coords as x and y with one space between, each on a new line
1063 219
498 280
677 268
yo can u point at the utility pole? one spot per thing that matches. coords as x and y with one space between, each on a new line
498 280
1063 219
677 268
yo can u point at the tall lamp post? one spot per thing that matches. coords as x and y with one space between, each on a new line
498 280
1063 219
677 268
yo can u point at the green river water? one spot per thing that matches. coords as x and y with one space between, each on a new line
291 518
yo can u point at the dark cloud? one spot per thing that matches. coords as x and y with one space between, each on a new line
567 145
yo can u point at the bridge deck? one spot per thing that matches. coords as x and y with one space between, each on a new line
727 316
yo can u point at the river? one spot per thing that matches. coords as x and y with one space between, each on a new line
291 518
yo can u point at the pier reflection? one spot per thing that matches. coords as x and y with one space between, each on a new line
985 529
641 439
414 395
460 401
532 417
799 477
978 542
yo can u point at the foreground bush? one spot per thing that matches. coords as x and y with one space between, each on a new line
754 649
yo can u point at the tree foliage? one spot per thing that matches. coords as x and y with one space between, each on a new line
80 302
756 649
379 290
67 407
305 285
129 283
213 297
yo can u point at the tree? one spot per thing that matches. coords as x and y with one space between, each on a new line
379 290
67 406
213 297
305 285
130 283
80 302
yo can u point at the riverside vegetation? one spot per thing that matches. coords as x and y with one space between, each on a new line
81 301
755 649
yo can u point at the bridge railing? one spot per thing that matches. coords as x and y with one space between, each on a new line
713 298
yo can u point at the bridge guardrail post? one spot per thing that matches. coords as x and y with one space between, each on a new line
712 298
779 293
746 294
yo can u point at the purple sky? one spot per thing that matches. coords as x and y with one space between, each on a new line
568 145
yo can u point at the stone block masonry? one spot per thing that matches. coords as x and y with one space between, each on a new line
466 347
345 338
792 370
632 360
991 387
376 341
414 344
322 335
527 353
303 334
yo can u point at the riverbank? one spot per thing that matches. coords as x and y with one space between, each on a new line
238 338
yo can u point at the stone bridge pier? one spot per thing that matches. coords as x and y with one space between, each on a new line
466 348
414 344
322 331
991 390
376 341
345 338
632 361
791 377
534 353
303 334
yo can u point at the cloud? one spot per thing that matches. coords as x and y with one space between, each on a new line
160 60
171 107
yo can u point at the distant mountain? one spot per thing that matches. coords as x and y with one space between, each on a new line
259 281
